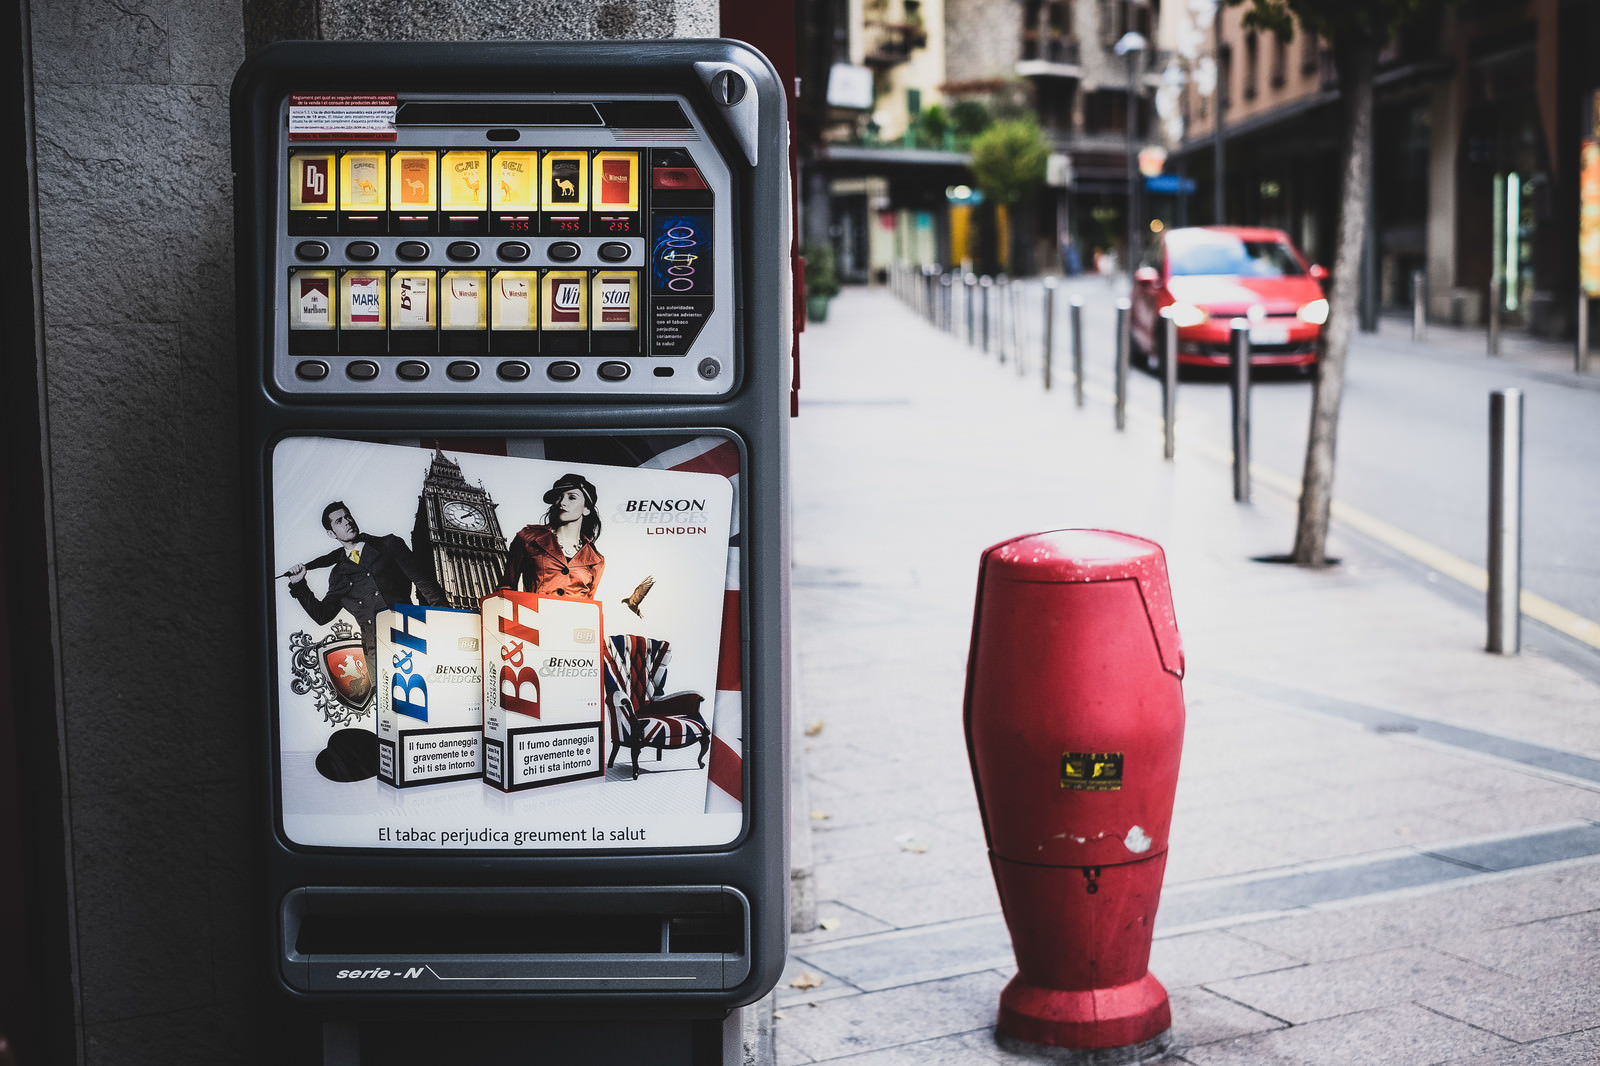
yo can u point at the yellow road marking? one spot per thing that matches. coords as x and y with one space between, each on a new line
1533 605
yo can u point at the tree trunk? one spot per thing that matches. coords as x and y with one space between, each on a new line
1357 58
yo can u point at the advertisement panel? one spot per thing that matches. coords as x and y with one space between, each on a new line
588 598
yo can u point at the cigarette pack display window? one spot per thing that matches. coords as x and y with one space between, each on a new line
564 311
565 188
363 192
615 194
313 187
413 312
515 193
311 317
463 311
361 311
464 192
414 192
614 311
514 312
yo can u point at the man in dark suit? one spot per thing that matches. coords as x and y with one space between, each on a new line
370 574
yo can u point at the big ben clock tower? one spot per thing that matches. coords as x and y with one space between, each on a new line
457 529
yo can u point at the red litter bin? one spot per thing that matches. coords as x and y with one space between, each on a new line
1074 722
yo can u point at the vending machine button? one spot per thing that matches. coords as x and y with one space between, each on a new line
564 251
362 370
462 370
615 251
512 370
315 251
612 370
312 369
362 250
462 250
514 251
413 250
563 371
412 370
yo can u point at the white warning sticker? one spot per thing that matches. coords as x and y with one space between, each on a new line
342 116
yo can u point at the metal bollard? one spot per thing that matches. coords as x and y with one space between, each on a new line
985 285
929 275
1505 521
1077 349
1169 386
969 285
1580 362
1002 315
1124 351
1419 306
946 301
1239 379
1049 327
1494 316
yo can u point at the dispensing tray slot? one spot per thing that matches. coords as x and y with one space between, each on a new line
444 940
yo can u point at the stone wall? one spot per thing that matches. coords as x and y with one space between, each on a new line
130 107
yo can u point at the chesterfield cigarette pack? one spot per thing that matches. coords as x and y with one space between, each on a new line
430 695
543 718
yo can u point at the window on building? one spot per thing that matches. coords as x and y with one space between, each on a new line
1252 57
1310 53
1280 61
1225 76
913 102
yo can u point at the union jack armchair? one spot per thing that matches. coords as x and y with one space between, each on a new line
643 714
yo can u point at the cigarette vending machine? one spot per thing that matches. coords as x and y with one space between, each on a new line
513 323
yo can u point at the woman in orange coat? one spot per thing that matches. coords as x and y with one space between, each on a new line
559 558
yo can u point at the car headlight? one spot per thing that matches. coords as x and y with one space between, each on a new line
1315 312
1186 315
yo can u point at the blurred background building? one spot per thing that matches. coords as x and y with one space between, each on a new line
1481 106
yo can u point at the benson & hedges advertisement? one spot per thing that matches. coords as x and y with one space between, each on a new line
506 648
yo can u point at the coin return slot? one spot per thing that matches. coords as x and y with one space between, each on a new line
504 135
663 371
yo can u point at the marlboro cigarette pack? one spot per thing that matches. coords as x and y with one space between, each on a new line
542 690
430 695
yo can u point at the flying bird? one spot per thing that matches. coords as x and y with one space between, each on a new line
639 594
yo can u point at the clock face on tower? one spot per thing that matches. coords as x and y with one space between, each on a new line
464 516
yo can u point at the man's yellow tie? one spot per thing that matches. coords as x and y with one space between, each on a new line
355 555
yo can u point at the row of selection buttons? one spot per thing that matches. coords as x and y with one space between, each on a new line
462 370
460 251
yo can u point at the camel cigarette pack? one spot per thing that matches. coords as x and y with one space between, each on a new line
543 719
430 695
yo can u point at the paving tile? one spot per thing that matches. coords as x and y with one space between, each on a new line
912 956
1535 950
1325 990
1202 958
877 1020
962 897
1523 1010
850 923
1203 1017
1400 1036
1571 1049
976 1048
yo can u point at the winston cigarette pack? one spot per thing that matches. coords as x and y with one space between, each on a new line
430 695
543 720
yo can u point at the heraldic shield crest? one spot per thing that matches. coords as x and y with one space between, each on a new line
334 672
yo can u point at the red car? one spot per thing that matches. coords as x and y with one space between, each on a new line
1210 275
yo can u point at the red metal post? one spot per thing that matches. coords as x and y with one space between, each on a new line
1074 723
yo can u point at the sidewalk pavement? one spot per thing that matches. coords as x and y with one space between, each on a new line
1386 846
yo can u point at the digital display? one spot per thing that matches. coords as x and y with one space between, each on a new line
680 254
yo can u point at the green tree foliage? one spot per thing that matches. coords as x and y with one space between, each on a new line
1008 160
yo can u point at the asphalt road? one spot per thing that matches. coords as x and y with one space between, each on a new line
1413 438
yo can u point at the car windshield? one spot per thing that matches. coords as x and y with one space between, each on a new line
1223 253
